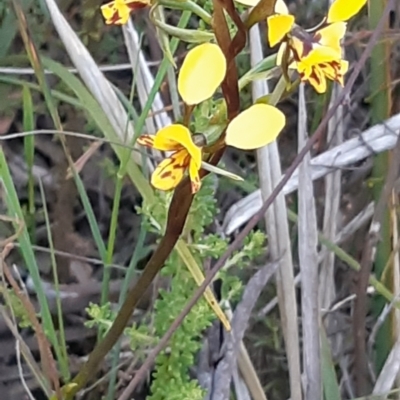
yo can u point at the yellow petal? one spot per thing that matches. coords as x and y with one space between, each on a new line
255 127
343 10
170 171
317 79
335 71
175 137
331 36
281 7
201 73
194 176
320 55
315 74
278 27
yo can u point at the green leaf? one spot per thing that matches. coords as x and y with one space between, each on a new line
329 378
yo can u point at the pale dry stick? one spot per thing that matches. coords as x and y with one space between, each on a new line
20 370
346 380
387 309
394 258
102 68
249 374
327 291
308 260
269 171
241 390
376 139
226 366
361 219
389 371
341 303
247 369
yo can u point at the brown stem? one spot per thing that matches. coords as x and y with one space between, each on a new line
178 211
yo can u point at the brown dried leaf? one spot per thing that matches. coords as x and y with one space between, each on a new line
260 12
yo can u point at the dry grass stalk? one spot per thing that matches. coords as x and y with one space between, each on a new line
308 259
269 171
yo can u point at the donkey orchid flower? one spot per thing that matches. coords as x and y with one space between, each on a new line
316 53
186 156
117 12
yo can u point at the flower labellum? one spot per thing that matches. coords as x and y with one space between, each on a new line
202 71
321 64
255 127
186 156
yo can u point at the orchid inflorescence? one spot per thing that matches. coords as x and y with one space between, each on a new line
315 54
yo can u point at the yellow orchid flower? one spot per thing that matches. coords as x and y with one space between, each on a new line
319 65
186 156
202 72
196 82
118 12
312 46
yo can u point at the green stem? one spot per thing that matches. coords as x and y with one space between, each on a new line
62 351
111 239
29 151
188 6
380 110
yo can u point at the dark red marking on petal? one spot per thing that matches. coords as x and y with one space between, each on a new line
166 174
146 140
114 19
